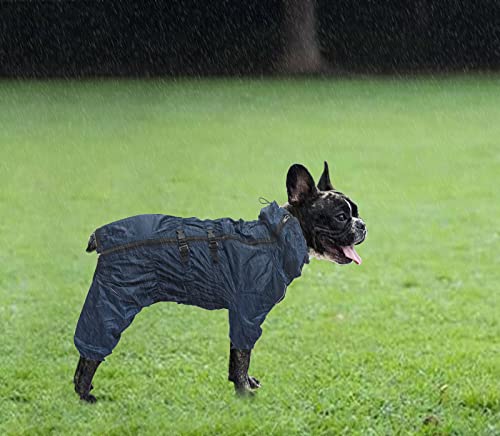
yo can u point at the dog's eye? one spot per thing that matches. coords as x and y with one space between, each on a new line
341 217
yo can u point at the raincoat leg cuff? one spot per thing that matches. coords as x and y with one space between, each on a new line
89 351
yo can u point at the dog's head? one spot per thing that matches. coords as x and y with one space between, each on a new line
329 219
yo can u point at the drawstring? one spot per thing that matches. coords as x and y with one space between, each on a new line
263 200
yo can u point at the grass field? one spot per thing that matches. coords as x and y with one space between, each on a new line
408 342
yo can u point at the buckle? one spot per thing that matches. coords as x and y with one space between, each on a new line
212 244
183 245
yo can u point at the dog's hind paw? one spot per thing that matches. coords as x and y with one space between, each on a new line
89 398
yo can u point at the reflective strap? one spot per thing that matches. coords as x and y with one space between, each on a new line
213 245
183 245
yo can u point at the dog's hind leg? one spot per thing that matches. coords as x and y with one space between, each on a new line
82 379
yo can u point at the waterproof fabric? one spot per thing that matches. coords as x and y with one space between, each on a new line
142 261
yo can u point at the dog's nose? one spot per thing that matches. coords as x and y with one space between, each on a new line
360 224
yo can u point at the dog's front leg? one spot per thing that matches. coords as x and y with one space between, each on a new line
239 362
83 378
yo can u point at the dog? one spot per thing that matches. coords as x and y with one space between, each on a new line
242 266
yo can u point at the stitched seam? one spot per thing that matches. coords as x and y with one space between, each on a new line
161 241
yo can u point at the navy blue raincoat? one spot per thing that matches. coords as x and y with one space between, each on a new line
242 266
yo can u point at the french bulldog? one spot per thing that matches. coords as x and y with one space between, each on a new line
242 266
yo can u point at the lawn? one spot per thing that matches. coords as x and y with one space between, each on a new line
406 343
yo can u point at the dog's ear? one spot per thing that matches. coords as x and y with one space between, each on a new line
299 185
324 183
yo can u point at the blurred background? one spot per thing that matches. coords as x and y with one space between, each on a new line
68 38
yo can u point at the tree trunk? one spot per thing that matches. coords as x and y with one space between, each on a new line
301 53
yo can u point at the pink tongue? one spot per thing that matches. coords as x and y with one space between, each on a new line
350 252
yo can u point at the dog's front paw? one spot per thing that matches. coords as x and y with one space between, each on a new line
244 390
248 387
253 382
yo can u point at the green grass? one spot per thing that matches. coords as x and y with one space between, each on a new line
408 342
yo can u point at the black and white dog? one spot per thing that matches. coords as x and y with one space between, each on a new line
242 266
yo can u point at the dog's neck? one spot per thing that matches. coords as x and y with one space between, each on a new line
297 213
308 234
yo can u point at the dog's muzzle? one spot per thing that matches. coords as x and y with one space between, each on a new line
338 245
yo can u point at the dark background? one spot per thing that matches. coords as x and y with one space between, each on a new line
83 38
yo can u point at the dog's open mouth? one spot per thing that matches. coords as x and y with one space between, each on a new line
341 254
350 253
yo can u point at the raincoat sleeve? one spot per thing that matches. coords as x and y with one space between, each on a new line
245 320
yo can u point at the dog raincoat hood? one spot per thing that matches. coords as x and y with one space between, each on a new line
242 266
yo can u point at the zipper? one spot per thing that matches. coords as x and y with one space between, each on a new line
166 241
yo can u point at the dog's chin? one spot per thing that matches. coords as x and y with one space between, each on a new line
333 252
